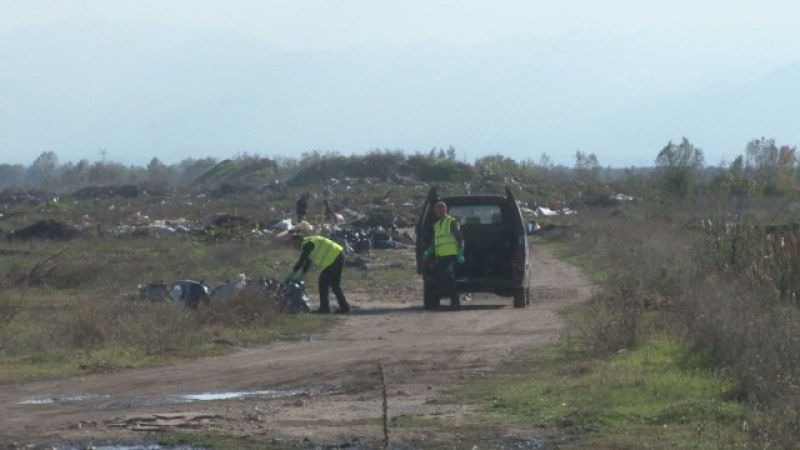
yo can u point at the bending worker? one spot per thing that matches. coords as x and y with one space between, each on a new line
328 256
448 249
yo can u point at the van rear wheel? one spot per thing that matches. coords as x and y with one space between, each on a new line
520 298
429 299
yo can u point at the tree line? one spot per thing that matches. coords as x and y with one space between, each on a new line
764 168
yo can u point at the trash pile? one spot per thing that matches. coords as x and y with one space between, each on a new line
289 297
355 240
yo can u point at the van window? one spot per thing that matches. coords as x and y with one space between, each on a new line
477 214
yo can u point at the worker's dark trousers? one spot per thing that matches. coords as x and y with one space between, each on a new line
444 272
331 278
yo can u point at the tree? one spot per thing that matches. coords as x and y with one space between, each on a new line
75 174
496 164
787 161
11 175
773 168
734 180
108 173
43 168
585 167
545 161
679 166
158 172
763 162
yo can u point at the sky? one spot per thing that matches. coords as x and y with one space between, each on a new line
732 25
760 35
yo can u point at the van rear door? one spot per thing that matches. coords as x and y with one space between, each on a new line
520 257
423 227
515 221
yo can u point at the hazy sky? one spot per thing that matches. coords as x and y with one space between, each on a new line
732 25
757 37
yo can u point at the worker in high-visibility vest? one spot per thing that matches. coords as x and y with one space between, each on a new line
448 249
327 255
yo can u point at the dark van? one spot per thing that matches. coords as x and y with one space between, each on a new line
495 247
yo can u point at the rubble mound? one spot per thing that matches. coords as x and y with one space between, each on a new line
46 229
230 222
96 192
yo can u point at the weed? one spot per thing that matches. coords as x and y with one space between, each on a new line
656 396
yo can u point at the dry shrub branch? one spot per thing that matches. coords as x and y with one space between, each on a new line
727 286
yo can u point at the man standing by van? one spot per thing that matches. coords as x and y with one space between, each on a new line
448 249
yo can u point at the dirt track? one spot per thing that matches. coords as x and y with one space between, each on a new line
325 388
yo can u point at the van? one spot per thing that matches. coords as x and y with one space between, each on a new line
496 253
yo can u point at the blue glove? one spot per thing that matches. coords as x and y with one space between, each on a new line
460 257
288 278
428 254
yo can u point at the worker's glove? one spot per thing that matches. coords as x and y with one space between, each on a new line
428 254
460 257
288 278
299 277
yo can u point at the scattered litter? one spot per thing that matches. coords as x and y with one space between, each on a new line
622 197
166 421
190 292
533 227
291 297
544 211
283 225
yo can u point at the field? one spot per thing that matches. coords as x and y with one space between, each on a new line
658 322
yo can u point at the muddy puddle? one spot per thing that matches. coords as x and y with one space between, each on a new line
130 447
109 403
64 399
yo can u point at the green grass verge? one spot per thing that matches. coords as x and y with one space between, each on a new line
657 396
216 441
209 341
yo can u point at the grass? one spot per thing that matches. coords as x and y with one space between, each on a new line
657 396
216 441
33 364
71 308
67 310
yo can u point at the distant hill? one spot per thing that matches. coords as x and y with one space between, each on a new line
143 90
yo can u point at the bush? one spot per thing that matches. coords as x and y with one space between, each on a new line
244 308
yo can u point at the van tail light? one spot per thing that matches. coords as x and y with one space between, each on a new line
517 268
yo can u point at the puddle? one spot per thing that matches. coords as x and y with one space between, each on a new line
208 396
132 447
67 399
155 401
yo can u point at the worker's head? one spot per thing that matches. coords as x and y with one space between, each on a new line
440 209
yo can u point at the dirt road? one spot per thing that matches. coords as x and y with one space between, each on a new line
323 388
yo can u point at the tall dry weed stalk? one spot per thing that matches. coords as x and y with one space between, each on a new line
643 265
742 311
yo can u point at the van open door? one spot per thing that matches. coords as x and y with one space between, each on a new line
423 227
520 257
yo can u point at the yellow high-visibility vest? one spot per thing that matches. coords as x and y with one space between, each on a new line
325 251
444 242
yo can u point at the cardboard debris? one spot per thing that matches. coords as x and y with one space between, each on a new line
166 421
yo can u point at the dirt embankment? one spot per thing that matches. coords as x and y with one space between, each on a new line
325 388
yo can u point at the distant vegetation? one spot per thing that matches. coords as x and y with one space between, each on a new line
679 170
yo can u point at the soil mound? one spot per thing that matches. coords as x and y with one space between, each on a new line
46 229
